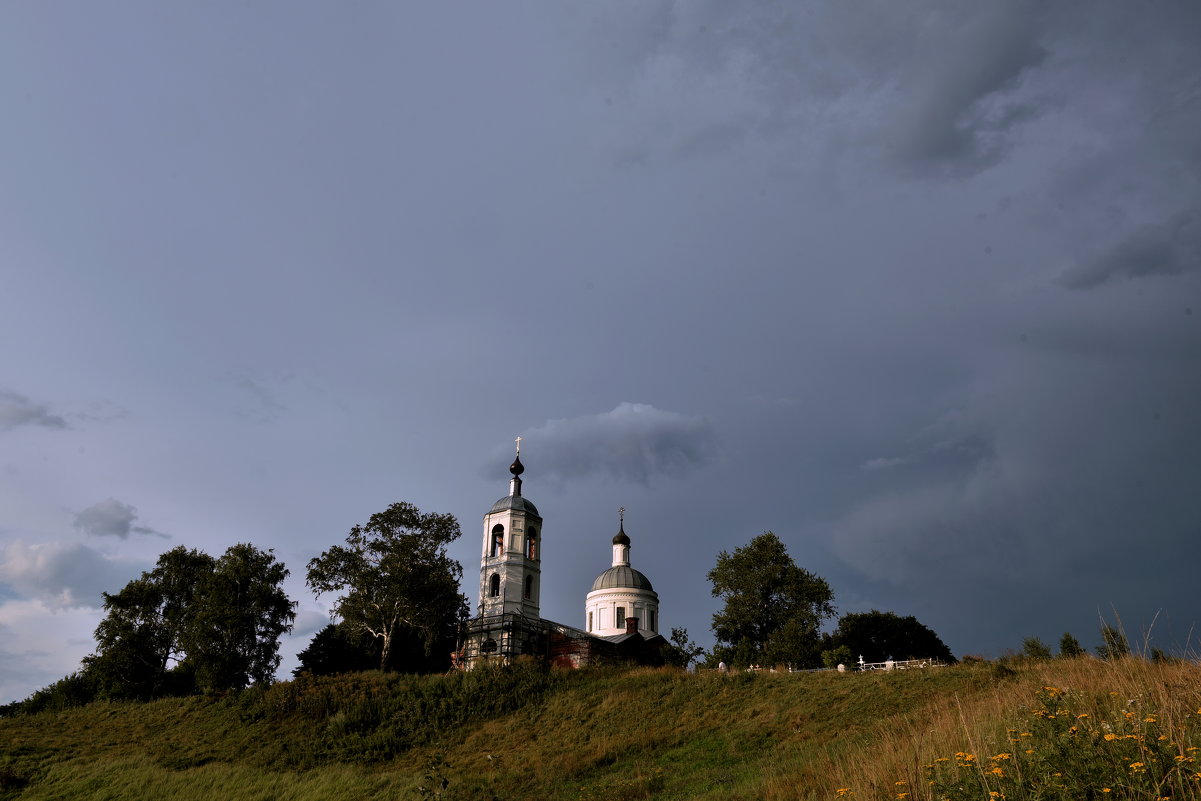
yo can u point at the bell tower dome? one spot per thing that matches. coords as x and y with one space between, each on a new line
511 559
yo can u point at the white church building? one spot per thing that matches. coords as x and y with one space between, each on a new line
621 612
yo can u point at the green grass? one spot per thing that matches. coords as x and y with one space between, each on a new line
525 733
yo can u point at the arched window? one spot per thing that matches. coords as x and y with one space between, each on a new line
494 586
498 540
529 587
531 543
620 618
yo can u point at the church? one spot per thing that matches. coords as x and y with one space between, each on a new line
621 612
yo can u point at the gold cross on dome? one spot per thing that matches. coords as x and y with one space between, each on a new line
518 440
621 515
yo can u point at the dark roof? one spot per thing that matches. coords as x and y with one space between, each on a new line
621 538
622 576
515 502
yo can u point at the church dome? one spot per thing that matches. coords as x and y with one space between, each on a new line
622 576
516 503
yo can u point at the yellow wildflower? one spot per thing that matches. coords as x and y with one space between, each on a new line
1001 756
997 772
1149 719
1110 737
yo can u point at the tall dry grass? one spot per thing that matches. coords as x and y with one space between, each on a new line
1106 698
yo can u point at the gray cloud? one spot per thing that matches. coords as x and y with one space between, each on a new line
963 102
633 442
62 575
1153 250
18 410
112 518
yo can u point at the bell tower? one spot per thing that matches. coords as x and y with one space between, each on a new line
511 559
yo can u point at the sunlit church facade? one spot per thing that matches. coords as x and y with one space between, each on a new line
621 611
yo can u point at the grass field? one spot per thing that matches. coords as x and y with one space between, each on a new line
1077 728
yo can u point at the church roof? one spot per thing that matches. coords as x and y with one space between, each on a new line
622 576
517 503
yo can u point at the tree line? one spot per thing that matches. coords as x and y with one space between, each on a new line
196 624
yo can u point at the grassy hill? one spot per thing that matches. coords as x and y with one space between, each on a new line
1081 728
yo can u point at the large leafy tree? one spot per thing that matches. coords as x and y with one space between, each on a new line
773 609
393 574
233 636
193 622
878 636
140 641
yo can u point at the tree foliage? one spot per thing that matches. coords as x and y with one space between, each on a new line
773 609
1113 642
878 636
140 641
233 639
1034 648
193 622
682 651
1070 647
394 574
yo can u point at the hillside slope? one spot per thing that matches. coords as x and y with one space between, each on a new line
524 733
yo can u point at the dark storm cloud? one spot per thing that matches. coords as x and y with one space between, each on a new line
111 518
635 442
18 410
62 575
1153 250
961 102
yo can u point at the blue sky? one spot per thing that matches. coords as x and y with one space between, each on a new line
914 286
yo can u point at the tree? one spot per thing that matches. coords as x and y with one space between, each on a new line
338 649
1034 648
682 651
1069 646
190 623
878 636
141 638
394 573
773 609
1113 643
233 636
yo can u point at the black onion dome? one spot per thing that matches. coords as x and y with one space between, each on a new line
621 538
623 577
517 468
517 503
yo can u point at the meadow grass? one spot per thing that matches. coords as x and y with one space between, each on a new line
528 733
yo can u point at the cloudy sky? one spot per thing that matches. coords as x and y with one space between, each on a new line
914 285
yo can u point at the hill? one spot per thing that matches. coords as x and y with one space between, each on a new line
1058 729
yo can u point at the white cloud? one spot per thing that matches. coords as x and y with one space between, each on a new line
40 644
61 575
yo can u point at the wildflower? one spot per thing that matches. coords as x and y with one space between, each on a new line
844 792
1027 734
1149 719
997 772
1110 737
1082 716
1138 767
1051 690
1106 789
900 784
999 757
